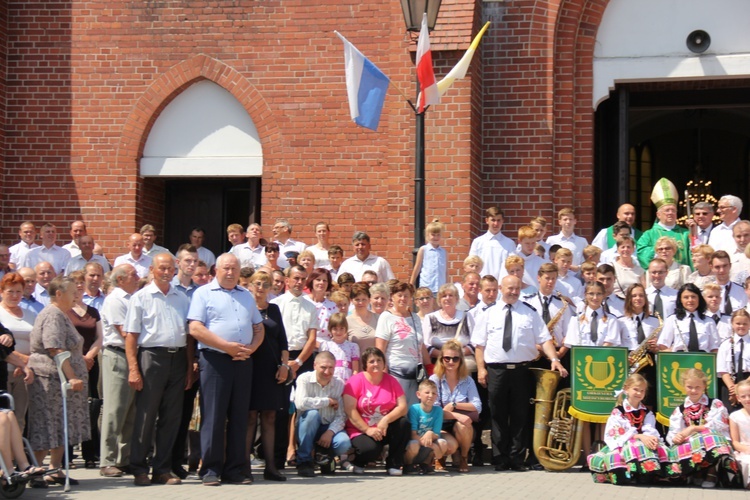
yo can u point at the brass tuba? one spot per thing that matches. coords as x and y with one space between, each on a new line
557 435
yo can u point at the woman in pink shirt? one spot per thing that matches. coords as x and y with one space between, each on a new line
376 409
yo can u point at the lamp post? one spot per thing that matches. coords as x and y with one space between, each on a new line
413 11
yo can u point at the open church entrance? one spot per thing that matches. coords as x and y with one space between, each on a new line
696 134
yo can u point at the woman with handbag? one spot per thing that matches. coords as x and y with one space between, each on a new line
458 396
448 323
399 336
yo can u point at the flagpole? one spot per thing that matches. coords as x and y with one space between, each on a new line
419 180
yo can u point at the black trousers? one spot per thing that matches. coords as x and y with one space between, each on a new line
397 437
90 448
224 405
157 408
509 393
180 444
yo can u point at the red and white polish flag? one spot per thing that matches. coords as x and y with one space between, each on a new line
425 73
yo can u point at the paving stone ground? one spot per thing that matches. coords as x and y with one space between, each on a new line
481 483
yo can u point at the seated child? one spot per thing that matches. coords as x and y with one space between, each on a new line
699 432
634 450
426 420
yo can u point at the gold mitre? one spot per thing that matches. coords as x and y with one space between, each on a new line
664 193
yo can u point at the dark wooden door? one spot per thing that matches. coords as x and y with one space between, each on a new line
211 204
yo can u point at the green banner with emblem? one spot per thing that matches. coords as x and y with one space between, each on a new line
669 390
595 374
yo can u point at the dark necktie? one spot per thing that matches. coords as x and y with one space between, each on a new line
658 305
693 344
605 306
594 327
508 329
740 368
545 310
727 303
639 328
716 318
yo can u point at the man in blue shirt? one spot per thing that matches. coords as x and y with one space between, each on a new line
228 327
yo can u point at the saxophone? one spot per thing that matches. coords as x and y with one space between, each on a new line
558 316
640 357
553 322
557 435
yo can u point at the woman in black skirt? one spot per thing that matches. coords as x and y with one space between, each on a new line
270 372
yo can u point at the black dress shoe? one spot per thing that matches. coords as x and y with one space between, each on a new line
180 472
273 476
519 468
502 467
537 467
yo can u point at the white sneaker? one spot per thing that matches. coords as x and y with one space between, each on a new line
346 465
357 470
708 484
395 472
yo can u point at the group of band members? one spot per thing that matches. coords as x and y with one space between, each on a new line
654 300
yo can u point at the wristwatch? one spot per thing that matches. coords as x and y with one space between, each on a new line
555 359
454 406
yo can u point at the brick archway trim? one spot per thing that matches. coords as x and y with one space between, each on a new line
170 84
575 36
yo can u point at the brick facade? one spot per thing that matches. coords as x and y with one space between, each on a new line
82 82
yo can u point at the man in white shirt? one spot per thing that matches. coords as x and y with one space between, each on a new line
605 239
732 295
506 339
320 413
493 247
135 257
567 238
197 236
251 253
282 234
77 229
363 260
721 237
119 405
661 298
85 256
150 247
159 361
47 252
27 232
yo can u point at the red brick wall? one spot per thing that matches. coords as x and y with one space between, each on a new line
538 119
87 80
37 181
3 74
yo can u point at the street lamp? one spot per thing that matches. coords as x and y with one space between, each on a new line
413 11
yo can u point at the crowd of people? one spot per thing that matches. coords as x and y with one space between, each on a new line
279 354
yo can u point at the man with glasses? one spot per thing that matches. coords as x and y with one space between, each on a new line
729 210
282 234
702 221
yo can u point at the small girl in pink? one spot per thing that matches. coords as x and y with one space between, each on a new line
345 352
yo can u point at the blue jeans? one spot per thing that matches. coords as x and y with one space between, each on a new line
309 430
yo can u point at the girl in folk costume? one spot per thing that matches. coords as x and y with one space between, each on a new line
739 429
634 451
733 359
699 433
